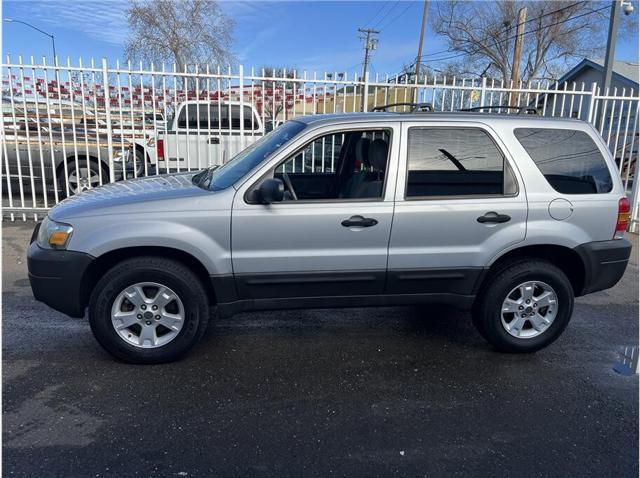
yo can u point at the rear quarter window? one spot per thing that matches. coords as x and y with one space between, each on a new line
569 159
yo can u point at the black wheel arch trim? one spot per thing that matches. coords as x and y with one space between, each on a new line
604 263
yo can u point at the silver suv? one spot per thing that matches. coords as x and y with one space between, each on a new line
511 216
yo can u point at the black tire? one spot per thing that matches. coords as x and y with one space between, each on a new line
142 164
95 170
175 275
487 311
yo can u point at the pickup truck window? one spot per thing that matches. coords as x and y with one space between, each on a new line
216 116
569 159
229 173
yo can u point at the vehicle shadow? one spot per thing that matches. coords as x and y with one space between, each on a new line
429 323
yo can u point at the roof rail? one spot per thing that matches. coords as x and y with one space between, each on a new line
522 110
414 107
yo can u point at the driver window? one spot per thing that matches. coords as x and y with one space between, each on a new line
344 165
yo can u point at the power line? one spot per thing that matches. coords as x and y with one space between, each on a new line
409 5
386 14
511 27
525 33
384 5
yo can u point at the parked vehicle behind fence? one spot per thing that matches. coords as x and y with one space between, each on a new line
510 216
201 134
70 160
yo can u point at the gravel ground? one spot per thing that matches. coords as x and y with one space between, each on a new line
358 392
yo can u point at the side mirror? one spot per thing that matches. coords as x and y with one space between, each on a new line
271 190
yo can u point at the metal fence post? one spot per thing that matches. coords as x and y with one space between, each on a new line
592 102
483 91
241 88
634 204
365 95
107 109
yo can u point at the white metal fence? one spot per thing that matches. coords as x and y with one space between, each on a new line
66 128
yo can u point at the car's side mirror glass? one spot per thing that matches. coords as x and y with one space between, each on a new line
271 190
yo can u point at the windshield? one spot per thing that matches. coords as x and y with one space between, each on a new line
217 178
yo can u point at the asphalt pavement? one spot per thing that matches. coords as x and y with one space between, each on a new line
351 392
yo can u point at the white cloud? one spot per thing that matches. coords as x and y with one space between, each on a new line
101 20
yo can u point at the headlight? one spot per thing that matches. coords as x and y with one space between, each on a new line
54 235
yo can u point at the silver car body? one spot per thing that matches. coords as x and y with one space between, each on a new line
260 246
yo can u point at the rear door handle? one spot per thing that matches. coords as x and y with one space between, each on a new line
494 217
359 221
213 141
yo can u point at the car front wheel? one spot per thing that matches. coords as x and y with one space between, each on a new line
148 310
524 307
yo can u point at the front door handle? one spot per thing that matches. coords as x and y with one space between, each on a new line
359 221
494 217
213 141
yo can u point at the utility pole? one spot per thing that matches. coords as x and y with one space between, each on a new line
614 21
425 15
517 52
370 43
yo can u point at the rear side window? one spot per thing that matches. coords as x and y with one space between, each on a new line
216 116
570 160
456 162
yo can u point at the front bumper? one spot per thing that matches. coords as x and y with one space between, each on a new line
604 263
56 278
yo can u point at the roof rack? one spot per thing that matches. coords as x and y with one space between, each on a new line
522 110
414 107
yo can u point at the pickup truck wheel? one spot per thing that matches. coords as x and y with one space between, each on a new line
524 307
148 310
141 170
84 176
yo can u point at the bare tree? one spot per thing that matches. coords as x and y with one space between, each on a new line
187 32
556 32
282 92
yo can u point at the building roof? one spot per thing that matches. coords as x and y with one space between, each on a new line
622 70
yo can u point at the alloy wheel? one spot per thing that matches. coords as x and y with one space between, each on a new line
529 309
82 179
147 315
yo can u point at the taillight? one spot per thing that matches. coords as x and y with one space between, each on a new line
160 149
624 208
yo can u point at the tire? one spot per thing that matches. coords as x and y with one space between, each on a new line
524 337
88 176
141 159
127 344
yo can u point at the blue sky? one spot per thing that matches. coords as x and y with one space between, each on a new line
308 35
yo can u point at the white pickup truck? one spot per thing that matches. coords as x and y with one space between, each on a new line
201 134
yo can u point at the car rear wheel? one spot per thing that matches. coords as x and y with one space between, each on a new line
524 307
148 310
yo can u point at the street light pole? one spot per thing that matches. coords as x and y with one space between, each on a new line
53 40
614 21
